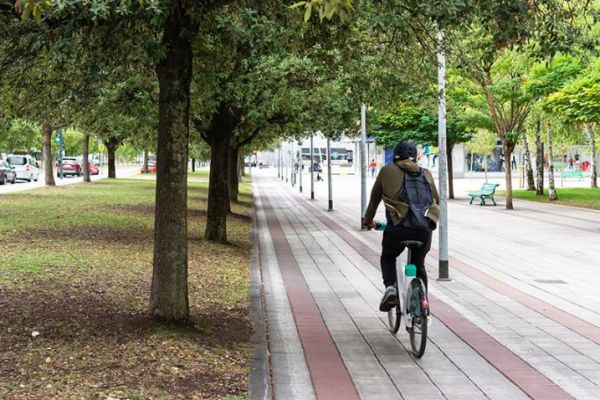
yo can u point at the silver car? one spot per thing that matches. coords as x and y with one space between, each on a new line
25 166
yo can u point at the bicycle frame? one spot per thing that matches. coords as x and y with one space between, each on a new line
402 289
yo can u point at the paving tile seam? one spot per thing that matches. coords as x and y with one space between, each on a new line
450 323
314 335
562 317
306 214
299 383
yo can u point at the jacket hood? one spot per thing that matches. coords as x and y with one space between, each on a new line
408 165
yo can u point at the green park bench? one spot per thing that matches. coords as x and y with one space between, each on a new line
573 174
487 191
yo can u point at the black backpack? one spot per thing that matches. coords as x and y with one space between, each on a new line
416 192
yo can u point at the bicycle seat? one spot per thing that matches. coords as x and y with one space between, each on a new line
413 244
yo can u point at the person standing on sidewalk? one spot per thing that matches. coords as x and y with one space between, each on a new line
412 209
373 168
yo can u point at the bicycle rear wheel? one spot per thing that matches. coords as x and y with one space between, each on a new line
418 330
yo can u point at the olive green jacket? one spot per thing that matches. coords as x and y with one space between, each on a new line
387 187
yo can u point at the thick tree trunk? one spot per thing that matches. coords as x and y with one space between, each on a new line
233 172
218 189
145 162
86 158
47 154
111 146
594 167
528 165
169 293
508 150
450 172
539 159
551 188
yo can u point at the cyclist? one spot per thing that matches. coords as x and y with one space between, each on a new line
412 209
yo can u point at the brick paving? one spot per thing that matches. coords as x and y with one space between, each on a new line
497 332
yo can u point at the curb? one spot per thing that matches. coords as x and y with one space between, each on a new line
259 379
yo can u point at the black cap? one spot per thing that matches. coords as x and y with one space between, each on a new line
404 150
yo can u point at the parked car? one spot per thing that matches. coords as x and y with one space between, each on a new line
70 166
93 169
25 166
7 173
151 168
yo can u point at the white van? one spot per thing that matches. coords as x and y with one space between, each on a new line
25 166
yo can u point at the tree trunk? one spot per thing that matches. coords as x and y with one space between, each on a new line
528 165
450 171
145 162
193 165
169 293
539 159
86 158
47 154
508 150
551 188
218 189
111 146
592 139
233 171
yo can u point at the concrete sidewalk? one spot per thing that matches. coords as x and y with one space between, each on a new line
520 318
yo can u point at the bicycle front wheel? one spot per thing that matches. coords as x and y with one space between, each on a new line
394 317
418 330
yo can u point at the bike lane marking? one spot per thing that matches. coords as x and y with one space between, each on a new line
527 378
331 379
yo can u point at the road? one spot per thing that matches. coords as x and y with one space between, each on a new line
123 171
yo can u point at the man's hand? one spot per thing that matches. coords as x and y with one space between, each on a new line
370 225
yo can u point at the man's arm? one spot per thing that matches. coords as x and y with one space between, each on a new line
434 191
376 196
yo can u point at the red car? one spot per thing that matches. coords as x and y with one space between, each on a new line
70 166
93 169
151 168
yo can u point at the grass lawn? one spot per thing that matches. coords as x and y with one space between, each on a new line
75 266
577 197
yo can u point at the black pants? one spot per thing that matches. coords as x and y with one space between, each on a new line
392 249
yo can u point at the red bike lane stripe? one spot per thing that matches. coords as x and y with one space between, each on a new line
329 375
535 384
557 315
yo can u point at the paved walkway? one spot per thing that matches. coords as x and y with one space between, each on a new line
520 318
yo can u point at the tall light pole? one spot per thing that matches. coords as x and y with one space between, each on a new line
443 273
300 167
363 164
329 183
278 162
312 169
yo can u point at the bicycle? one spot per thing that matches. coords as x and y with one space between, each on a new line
412 303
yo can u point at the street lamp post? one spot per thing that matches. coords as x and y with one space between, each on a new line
443 273
363 164
329 182
312 169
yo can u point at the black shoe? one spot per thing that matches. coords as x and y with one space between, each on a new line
389 299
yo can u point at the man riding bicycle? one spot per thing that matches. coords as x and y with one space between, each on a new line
412 209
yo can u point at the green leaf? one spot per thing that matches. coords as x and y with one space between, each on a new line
308 12
298 4
26 11
37 13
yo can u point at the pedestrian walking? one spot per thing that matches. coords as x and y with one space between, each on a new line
373 168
